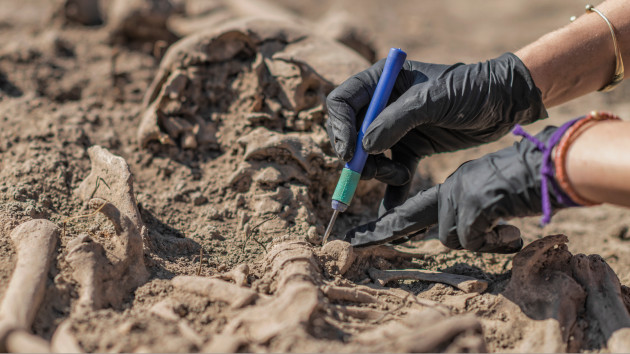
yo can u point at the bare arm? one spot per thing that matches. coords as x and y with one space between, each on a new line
598 163
578 58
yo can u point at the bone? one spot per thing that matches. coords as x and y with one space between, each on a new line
619 341
165 310
216 290
289 79
34 242
348 294
462 282
224 344
63 341
294 270
238 275
541 303
604 301
291 261
542 274
338 256
360 312
262 143
131 21
20 341
110 179
291 308
104 281
386 252
337 24
423 331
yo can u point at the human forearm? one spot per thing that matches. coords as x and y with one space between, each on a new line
598 163
578 58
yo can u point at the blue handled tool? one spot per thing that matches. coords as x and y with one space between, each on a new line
351 173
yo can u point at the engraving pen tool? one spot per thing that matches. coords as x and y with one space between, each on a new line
351 173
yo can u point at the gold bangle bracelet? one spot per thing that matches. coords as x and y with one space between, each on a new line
619 72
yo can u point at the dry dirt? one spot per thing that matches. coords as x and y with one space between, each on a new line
165 180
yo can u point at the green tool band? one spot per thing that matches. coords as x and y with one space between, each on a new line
346 186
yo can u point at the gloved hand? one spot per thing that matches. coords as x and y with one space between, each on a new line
467 205
433 108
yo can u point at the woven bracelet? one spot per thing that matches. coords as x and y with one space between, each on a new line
563 147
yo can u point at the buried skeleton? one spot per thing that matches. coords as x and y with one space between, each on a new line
205 238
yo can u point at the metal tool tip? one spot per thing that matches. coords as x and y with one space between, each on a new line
330 226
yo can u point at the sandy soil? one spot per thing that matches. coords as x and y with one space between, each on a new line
188 186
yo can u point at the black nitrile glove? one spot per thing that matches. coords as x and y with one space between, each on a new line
433 108
467 205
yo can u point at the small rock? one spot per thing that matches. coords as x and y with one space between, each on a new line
338 256
268 206
214 214
213 233
164 309
313 236
243 218
199 199
240 201
85 12
620 232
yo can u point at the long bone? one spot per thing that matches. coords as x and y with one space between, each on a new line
462 282
34 242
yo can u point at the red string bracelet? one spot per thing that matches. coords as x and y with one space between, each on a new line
563 147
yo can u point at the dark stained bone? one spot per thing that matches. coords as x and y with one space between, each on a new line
462 282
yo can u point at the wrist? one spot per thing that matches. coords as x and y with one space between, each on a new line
525 97
543 164
574 183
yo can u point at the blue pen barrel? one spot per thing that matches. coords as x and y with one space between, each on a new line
352 171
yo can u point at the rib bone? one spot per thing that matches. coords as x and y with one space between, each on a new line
216 290
462 282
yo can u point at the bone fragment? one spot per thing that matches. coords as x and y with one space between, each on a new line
63 341
164 309
364 313
422 331
34 242
462 282
110 179
291 309
222 343
291 73
604 301
542 274
336 24
105 280
385 252
20 341
338 256
295 298
140 21
238 275
619 341
216 290
348 294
